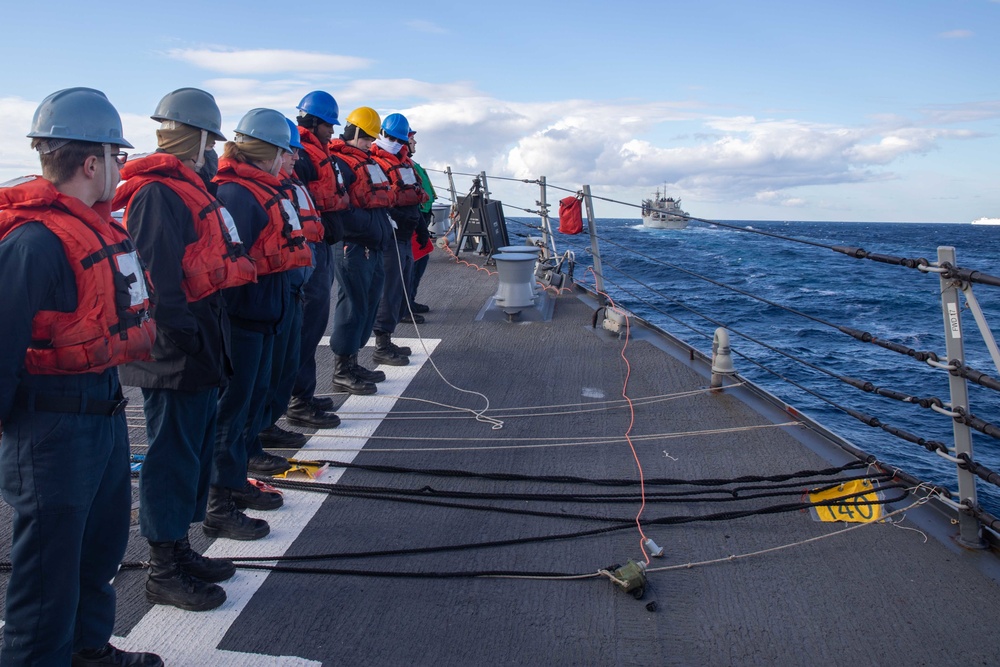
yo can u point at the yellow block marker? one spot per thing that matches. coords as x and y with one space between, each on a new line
858 502
311 469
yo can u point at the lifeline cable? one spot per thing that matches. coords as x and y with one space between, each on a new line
947 270
930 403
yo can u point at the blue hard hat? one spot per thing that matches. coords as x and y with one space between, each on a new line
294 140
322 105
194 107
81 114
267 125
396 125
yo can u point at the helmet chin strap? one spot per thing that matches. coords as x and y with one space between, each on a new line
200 162
108 188
276 164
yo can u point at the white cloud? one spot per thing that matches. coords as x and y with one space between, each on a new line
426 26
734 158
964 113
16 156
615 146
266 61
956 34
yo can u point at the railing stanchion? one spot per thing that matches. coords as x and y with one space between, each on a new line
548 238
594 249
970 532
453 211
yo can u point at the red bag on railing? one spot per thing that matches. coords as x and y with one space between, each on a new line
570 217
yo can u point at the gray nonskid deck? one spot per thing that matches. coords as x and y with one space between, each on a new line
879 594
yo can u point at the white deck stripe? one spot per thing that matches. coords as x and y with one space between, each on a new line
184 638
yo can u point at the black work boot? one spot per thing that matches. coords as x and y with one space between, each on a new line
401 350
275 436
268 464
321 403
110 656
250 497
384 354
212 570
224 520
309 415
168 584
364 373
345 379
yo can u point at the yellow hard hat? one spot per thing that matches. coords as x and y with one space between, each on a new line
367 119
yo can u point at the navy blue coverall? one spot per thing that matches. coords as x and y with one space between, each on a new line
66 475
180 388
255 313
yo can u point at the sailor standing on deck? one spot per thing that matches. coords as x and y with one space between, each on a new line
288 341
192 249
357 260
75 307
267 222
392 154
320 172
422 245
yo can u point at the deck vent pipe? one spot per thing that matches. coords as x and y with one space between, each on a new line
722 357
517 281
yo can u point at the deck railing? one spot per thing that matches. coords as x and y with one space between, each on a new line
955 287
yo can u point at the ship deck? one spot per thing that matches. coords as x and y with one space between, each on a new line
881 593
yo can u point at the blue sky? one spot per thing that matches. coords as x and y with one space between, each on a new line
852 110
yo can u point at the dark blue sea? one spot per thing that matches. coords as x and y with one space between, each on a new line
891 302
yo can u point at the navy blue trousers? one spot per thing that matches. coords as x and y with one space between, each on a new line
398 265
241 406
66 476
315 319
360 275
419 266
284 367
173 480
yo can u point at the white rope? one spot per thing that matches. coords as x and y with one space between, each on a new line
736 557
512 411
580 442
943 411
479 415
942 365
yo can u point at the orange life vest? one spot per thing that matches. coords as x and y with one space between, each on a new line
217 259
281 245
111 324
329 192
309 217
371 187
406 186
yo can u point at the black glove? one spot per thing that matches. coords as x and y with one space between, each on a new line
333 230
423 237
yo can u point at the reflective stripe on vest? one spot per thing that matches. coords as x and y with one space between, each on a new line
406 186
371 187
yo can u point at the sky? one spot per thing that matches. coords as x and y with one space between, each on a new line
855 110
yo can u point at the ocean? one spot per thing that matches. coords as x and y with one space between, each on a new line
893 303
